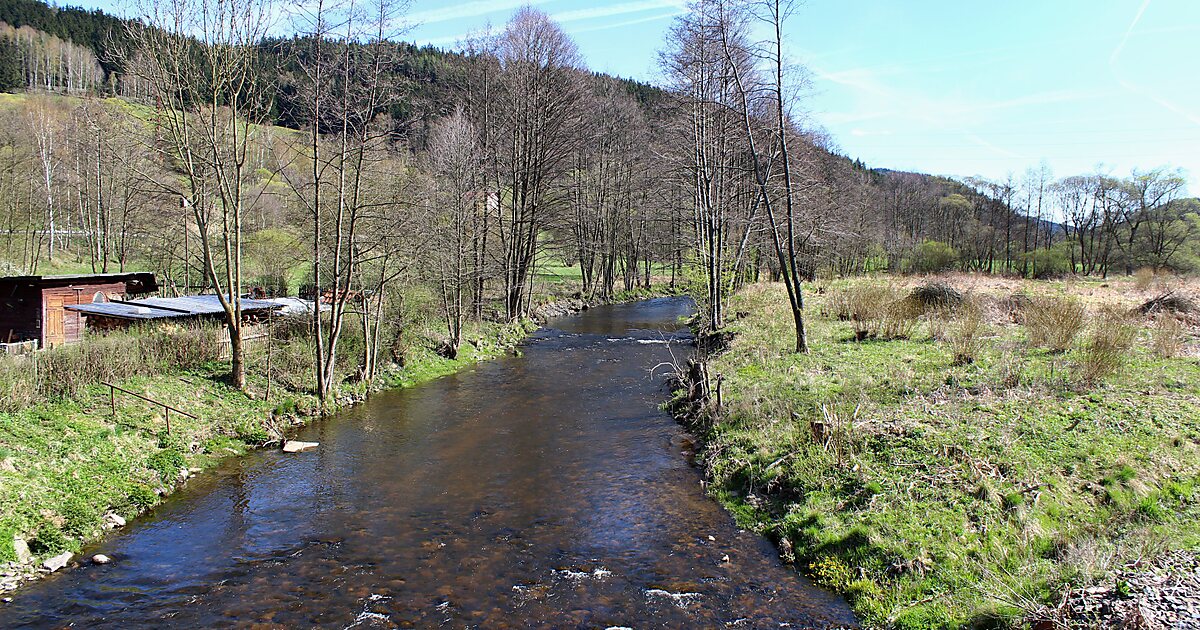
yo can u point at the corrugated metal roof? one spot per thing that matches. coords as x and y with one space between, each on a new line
167 308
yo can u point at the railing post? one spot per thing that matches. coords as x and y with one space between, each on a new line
167 415
112 400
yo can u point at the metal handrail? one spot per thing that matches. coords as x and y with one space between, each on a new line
167 409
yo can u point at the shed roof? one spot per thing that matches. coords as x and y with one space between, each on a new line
139 281
168 308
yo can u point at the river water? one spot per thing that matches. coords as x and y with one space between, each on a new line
545 490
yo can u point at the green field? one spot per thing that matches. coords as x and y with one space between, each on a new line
940 493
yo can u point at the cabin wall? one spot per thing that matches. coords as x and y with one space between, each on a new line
62 326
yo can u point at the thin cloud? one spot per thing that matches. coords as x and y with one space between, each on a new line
624 8
1141 90
641 20
465 10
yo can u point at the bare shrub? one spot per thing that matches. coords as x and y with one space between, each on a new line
1168 334
900 318
938 320
862 304
837 305
1111 338
1054 322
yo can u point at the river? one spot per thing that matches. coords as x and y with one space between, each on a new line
540 490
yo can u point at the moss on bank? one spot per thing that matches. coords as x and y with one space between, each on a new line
941 493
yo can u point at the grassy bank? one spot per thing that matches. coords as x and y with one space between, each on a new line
67 462
952 469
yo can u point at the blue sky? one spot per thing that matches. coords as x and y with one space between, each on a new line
958 87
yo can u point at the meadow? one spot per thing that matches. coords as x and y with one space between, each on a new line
961 451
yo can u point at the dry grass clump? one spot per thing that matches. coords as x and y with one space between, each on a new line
1168 334
1143 278
1112 336
1054 322
968 333
936 295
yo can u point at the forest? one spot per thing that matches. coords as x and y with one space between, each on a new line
333 136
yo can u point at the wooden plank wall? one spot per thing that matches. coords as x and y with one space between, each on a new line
72 322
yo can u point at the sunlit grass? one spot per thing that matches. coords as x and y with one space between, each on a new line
952 493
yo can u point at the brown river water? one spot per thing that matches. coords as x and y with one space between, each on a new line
545 490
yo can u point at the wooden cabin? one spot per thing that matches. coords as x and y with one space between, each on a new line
33 307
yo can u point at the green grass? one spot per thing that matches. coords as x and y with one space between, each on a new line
950 496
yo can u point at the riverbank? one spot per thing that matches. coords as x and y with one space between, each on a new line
71 470
946 471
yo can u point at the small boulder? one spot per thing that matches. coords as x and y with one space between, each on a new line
58 562
296 446
101 559
21 549
114 520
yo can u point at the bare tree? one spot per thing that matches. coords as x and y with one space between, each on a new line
539 119
344 61
201 60
453 223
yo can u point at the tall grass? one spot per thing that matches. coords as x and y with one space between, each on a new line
1112 336
1053 322
62 372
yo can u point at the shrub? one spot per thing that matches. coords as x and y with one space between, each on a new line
931 257
62 372
863 304
1111 339
876 310
1054 322
900 319
1168 334
1049 263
